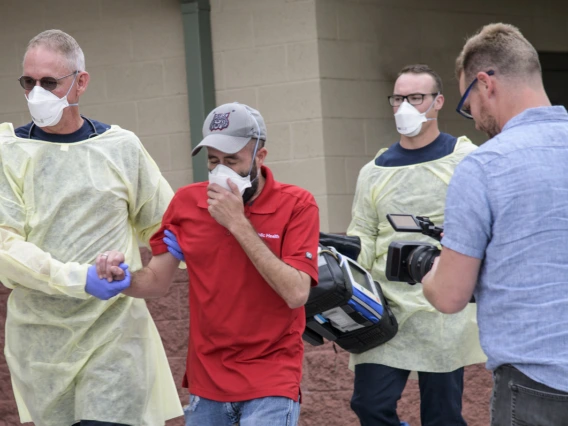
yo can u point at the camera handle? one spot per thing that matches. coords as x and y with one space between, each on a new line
429 229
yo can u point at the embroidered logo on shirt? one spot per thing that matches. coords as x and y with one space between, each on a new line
268 236
309 255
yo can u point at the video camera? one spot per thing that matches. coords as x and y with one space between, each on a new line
347 306
409 261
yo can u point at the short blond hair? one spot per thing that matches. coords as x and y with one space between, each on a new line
62 43
499 47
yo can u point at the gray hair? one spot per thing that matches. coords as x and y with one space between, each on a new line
62 43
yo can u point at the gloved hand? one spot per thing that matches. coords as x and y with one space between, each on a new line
101 288
173 246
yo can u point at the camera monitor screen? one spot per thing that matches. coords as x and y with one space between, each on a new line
360 278
403 222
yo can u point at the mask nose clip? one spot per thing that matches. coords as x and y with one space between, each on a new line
409 120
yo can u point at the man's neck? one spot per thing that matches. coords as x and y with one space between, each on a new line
70 122
525 98
425 138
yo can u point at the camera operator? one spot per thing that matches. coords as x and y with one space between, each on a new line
506 229
411 176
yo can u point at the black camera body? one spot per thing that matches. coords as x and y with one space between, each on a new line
409 261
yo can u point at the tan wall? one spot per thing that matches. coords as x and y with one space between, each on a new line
265 54
134 52
362 44
318 70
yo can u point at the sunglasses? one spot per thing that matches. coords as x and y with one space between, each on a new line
48 83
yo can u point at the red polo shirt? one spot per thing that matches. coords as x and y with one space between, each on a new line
244 340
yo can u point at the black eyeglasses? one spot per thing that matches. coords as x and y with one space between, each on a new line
466 111
413 98
48 83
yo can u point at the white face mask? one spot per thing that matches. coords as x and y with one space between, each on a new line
409 120
46 108
221 173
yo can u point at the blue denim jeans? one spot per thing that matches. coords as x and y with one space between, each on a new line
518 400
273 411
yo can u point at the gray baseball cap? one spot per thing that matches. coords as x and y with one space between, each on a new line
230 127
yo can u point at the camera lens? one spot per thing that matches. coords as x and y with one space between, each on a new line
420 261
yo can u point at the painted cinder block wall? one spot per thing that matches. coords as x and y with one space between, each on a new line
318 70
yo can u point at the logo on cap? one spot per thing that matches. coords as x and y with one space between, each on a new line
219 122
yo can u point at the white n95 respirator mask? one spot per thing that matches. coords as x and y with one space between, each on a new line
46 108
221 173
409 120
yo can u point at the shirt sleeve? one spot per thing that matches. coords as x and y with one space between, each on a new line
300 244
364 221
169 222
23 263
468 219
149 197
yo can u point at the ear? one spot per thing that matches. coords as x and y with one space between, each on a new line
82 82
485 83
439 102
261 156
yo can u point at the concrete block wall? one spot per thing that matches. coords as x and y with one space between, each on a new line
318 70
266 55
362 44
135 54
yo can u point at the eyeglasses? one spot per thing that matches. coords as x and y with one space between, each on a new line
48 83
466 111
413 98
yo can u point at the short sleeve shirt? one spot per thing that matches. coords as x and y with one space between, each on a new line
507 204
244 342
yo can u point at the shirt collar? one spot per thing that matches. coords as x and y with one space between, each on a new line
268 200
533 115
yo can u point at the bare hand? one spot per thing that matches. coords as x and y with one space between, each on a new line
107 265
226 207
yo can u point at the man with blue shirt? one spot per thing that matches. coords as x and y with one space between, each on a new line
411 176
506 229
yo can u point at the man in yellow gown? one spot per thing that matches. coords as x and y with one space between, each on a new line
71 187
411 177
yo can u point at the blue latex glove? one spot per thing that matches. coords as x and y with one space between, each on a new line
173 246
101 288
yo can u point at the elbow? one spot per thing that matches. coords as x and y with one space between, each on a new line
448 309
299 299
161 292
443 302
449 306
162 289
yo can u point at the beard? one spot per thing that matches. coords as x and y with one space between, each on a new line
488 124
250 192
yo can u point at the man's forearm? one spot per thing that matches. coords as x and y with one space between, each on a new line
450 283
155 279
290 284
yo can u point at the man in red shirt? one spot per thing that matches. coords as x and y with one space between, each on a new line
250 244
